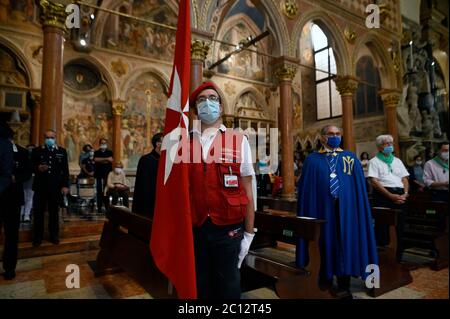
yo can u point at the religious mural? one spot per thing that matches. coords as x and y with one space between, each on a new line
245 64
135 37
18 11
14 98
143 117
87 114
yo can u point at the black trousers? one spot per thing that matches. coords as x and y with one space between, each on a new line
382 231
216 260
264 180
100 185
49 198
10 222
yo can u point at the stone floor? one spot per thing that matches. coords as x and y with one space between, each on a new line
45 277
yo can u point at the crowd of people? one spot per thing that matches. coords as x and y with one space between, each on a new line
222 195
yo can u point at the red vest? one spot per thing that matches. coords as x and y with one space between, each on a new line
208 193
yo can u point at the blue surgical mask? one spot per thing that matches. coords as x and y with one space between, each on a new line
444 156
104 146
334 141
388 149
208 111
50 142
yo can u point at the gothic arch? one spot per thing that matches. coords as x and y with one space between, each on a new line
101 68
163 78
381 55
258 96
31 80
324 21
276 23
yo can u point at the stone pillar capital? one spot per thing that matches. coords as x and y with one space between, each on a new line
390 97
53 15
228 121
285 68
118 107
199 50
346 85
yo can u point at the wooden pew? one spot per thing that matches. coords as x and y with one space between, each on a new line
392 274
277 204
125 245
436 212
289 281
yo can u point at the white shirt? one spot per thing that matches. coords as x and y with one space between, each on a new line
433 172
380 170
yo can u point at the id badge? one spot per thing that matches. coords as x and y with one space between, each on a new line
230 181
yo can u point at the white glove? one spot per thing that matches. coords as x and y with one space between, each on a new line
245 246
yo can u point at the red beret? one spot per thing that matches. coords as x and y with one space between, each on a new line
199 89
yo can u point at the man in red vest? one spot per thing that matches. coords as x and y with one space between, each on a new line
221 196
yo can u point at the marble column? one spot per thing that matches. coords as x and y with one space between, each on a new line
199 51
118 107
35 116
53 17
285 73
347 86
391 99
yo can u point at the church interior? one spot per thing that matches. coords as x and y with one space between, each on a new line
289 65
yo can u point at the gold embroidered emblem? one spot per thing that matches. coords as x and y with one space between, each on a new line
348 164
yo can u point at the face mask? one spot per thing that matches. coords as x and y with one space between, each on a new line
104 146
118 170
334 141
91 154
418 162
208 111
388 149
444 156
50 142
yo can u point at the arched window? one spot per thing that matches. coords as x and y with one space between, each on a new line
329 102
367 99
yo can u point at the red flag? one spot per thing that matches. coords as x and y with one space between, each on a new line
172 243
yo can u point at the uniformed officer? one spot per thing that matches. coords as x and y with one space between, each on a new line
13 199
51 180
221 194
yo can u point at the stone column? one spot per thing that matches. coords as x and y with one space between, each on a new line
35 116
118 107
391 99
285 72
347 86
53 17
199 51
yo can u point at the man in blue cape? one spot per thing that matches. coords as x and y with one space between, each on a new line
332 187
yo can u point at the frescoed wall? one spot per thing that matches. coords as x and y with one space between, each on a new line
87 114
132 36
143 117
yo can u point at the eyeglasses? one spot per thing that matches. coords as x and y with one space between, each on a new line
203 98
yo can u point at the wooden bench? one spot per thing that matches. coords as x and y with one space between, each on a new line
432 223
392 274
288 280
125 245
277 204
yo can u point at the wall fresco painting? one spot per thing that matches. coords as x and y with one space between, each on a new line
143 117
